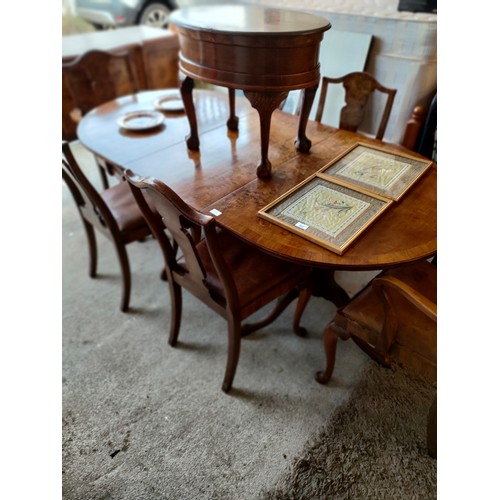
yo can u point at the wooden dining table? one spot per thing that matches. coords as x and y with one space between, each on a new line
220 180
221 176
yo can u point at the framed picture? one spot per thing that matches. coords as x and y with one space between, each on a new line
376 170
326 212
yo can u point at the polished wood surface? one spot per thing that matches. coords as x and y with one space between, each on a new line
250 47
265 52
221 176
100 133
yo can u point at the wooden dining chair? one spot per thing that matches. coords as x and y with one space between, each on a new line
394 319
420 131
113 212
230 276
358 86
96 77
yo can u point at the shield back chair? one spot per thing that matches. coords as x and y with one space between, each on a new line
358 86
97 77
113 212
231 277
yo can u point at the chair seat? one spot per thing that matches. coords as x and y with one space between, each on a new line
249 267
123 206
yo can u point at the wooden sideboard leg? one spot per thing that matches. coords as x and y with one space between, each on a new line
330 336
232 122
265 103
192 140
302 143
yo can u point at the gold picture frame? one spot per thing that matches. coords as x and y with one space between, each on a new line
326 212
376 170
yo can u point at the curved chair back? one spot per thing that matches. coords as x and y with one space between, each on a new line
89 202
358 88
231 277
420 130
394 319
98 76
426 144
195 235
113 212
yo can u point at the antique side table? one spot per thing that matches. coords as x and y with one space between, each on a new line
265 52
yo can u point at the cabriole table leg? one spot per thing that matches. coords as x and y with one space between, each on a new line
232 122
265 103
192 140
302 143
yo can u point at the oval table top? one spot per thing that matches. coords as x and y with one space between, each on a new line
221 176
248 20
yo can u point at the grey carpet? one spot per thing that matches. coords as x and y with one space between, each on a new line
374 446
142 420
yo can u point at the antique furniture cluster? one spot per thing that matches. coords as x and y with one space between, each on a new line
215 219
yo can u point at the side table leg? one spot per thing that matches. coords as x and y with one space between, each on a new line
232 122
192 140
265 103
302 143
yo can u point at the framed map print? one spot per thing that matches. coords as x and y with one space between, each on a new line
377 171
326 212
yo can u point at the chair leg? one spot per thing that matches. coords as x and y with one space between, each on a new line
280 306
233 352
175 311
126 276
89 230
330 337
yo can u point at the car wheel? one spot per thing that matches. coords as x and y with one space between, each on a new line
155 14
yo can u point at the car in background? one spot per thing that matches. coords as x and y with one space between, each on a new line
119 13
